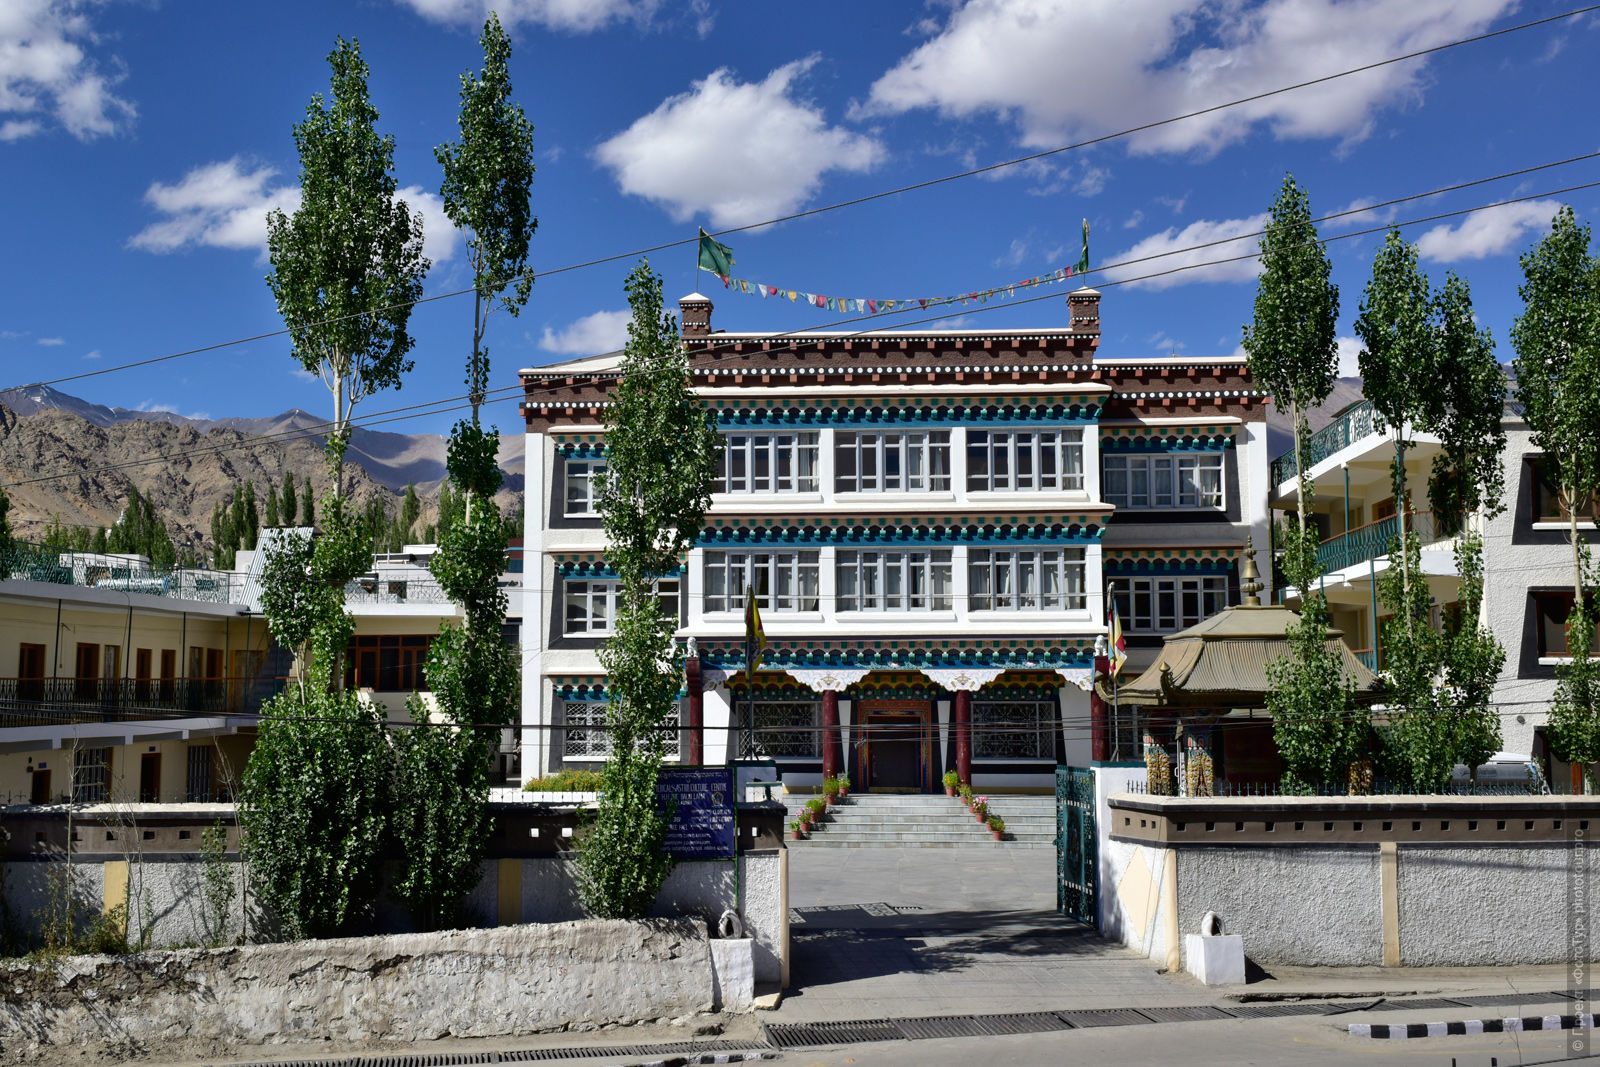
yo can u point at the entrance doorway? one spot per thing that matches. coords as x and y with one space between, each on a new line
897 752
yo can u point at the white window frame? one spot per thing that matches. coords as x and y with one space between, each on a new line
894 579
593 738
799 451
921 459
580 473
601 596
1042 578
1162 604
786 581
1014 460
1156 481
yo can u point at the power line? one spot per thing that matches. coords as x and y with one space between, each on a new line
517 392
857 201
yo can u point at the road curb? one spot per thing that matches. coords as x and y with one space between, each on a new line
1514 1024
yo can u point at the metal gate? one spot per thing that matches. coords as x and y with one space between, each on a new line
1077 855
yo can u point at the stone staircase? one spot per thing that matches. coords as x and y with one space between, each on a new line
889 820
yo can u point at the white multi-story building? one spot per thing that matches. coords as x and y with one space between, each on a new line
932 522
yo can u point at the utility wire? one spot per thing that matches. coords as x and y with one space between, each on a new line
718 351
857 201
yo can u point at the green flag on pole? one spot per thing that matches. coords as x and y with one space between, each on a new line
1081 268
715 257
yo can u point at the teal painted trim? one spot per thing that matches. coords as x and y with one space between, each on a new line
1135 568
1162 445
583 451
1056 416
1075 535
905 659
601 571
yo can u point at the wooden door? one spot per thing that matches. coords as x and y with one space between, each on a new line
150 778
87 670
40 791
141 674
169 675
30 672
897 753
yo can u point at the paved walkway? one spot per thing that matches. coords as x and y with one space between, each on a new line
910 932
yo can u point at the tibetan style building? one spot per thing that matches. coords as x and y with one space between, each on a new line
933 523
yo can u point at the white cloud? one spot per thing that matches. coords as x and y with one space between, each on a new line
1349 357
92 355
1360 213
1175 203
1173 247
1133 220
1013 256
1092 181
1486 233
225 205
741 152
1064 69
576 16
604 331
47 74
51 342
303 375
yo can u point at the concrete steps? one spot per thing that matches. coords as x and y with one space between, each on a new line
887 820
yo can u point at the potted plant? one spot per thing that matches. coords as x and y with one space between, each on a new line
844 786
997 826
816 806
980 808
951 780
797 829
965 792
830 790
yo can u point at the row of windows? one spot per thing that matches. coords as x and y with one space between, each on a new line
918 461
1165 605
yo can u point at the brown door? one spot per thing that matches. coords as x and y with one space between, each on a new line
895 751
141 674
88 670
150 778
169 675
214 679
30 672
40 794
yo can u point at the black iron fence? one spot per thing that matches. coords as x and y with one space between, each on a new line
51 701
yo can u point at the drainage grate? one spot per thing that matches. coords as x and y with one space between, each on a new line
1038 1022
1187 1013
1273 1011
1104 1017
1430 1003
943 1026
1511 998
804 1035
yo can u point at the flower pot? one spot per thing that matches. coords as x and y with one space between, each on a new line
798 835
999 835
983 817
949 791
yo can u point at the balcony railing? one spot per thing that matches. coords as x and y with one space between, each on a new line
1349 426
391 590
98 570
52 701
1371 541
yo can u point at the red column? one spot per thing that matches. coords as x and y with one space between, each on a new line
964 735
1099 717
831 747
697 710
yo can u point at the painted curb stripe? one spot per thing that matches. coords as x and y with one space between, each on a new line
1383 1031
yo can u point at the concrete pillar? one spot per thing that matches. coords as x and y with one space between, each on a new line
964 735
832 747
697 711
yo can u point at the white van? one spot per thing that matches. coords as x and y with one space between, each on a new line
1505 770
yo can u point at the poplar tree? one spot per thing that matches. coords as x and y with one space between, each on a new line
271 519
442 821
1557 338
653 494
1293 352
288 498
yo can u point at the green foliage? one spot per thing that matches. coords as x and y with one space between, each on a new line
308 506
1464 406
271 518
316 799
347 302
661 448
566 780
218 885
452 506
1574 723
288 498
487 178
441 817
140 531
1398 342
100 542
5 522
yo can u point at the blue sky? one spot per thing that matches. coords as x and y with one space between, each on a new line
141 142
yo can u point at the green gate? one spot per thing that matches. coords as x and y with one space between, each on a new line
1077 855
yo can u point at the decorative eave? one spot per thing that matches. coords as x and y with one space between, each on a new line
1020 652
1218 559
931 411
1177 438
959 529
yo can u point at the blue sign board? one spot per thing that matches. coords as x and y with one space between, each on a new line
702 825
